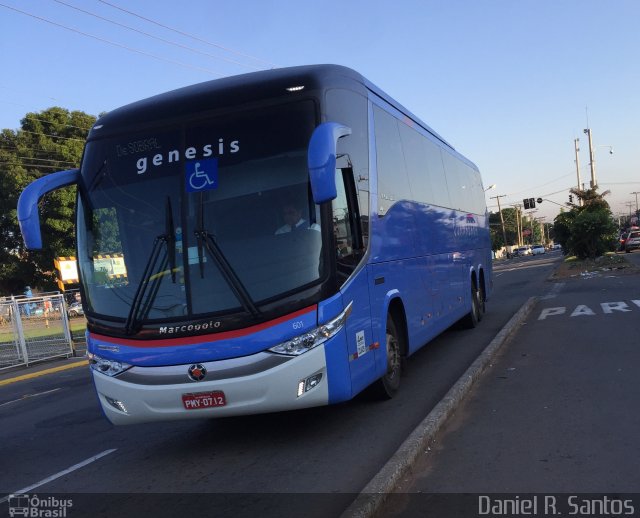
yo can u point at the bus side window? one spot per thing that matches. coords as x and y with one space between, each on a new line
346 224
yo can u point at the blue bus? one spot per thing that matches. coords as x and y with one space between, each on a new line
267 242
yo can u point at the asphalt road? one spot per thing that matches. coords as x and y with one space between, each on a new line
313 461
556 414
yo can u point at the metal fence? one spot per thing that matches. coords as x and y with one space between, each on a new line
36 329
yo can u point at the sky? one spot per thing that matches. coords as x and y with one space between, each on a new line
509 83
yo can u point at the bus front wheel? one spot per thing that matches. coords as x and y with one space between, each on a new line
387 386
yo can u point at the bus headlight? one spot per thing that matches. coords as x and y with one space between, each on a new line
303 343
108 367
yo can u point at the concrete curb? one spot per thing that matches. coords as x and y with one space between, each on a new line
375 492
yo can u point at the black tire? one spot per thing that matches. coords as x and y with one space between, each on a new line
387 386
482 303
474 316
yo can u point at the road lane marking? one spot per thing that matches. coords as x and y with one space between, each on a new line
553 292
60 474
546 312
610 307
32 375
581 310
29 396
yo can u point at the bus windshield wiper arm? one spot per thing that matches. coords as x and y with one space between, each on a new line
140 305
170 238
206 241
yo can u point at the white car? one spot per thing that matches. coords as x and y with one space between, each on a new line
538 249
633 241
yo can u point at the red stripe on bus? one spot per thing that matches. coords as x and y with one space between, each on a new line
211 337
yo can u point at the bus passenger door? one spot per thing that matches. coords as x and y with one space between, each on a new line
349 251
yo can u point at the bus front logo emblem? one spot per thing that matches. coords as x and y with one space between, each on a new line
197 372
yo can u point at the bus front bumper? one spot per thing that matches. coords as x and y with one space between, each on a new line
259 383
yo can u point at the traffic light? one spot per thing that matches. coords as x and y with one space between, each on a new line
571 198
529 203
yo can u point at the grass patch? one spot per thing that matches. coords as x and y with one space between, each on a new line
610 263
37 328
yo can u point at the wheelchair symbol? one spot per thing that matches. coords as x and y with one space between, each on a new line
202 175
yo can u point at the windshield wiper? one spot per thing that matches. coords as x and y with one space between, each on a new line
140 305
138 312
170 238
207 241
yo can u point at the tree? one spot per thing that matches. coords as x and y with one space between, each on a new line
588 229
49 141
509 216
562 228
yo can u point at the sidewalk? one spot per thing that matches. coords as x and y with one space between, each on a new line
557 412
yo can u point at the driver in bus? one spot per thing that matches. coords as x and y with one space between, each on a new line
294 221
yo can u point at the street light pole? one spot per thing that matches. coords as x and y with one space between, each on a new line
575 143
504 234
592 162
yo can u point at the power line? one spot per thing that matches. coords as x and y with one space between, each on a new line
22 91
557 192
3 145
169 42
540 196
30 166
49 135
541 185
45 160
272 65
115 44
55 122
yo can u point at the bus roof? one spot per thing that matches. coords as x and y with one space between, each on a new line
235 90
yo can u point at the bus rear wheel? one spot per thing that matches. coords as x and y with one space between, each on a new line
387 386
477 305
482 302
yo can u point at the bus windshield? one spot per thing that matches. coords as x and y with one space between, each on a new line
209 217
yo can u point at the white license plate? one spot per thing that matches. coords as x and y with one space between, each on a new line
197 400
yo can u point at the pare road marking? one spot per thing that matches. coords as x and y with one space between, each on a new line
582 310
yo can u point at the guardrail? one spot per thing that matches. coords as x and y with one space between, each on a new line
35 329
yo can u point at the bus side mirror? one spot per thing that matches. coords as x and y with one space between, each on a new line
28 217
321 159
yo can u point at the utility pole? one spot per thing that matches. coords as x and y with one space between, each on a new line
636 193
542 227
504 234
629 204
575 143
519 223
592 161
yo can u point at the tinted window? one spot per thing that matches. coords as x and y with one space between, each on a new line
415 154
351 109
249 171
437 177
393 184
413 166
